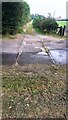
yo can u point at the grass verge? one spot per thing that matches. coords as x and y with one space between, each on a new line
34 91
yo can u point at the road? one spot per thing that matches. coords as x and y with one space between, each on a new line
32 49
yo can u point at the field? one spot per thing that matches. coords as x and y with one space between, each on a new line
62 23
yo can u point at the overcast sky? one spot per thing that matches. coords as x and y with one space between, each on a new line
55 7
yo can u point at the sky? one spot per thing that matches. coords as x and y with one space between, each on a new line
43 7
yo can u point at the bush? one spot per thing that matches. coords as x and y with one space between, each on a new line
50 25
45 24
38 22
14 15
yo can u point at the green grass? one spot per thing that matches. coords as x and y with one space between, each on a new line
62 23
34 91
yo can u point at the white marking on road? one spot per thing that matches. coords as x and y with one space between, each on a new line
23 43
36 47
42 53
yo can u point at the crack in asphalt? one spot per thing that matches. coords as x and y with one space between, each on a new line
18 54
47 51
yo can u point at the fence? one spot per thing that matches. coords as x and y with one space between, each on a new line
62 31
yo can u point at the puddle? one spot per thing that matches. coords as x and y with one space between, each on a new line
59 56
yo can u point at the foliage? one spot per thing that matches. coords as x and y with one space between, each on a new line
50 25
38 22
42 23
36 15
14 15
32 16
26 13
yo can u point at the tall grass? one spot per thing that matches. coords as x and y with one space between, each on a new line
28 28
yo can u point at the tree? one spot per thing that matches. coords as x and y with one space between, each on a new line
14 15
38 21
26 13
32 16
